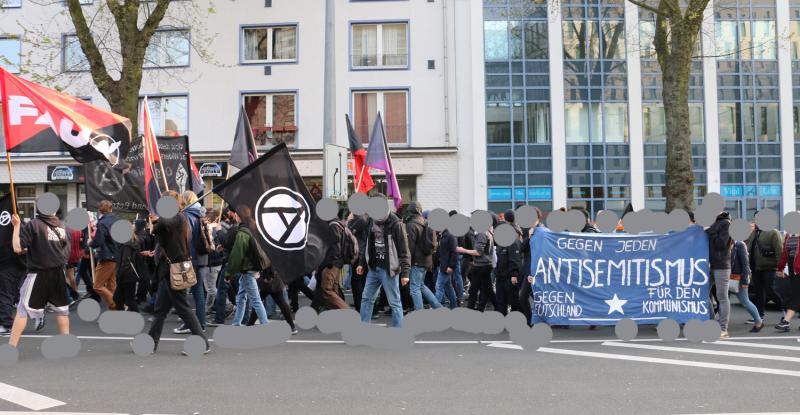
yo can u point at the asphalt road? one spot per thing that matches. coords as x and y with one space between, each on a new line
581 371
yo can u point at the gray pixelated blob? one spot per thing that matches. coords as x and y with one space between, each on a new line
526 216
705 216
194 346
121 231
458 225
494 322
647 220
252 337
438 219
62 346
334 321
710 331
505 235
668 330
143 345
48 204
660 221
467 320
532 338
327 209
767 219
167 207
632 223
441 319
626 329
359 334
556 221
391 339
77 218
576 220
481 221
8 355
693 331
678 220
607 221
740 229
542 334
714 201
426 321
306 318
378 208
121 322
358 203
515 321
791 222
88 310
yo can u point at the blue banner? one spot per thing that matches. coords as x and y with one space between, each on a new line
599 279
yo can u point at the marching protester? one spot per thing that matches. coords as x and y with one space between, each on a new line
509 264
719 253
75 254
525 291
421 245
199 247
480 287
215 260
789 267
386 263
245 260
764 247
448 263
45 243
106 249
358 226
128 275
271 285
173 237
740 265
344 250
12 273
148 285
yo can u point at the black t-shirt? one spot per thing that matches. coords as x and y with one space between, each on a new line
47 244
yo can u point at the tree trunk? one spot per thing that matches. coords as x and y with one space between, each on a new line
126 104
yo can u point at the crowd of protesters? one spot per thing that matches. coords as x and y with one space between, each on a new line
392 266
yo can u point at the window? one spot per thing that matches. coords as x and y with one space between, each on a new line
596 122
495 40
394 111
10 54
169 115
380 45
746 40
794 27
74 59
7 4
168 48
273 44
273 117
655 128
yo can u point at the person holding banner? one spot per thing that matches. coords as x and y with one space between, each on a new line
719 255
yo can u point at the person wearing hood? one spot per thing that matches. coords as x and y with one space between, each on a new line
330 270
45 244
480 286
421 244
194 213
107 250
509 265
765 247
386 262
719 254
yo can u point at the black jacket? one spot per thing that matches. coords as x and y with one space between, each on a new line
173 236
448 256
128 262
720 242
333 256
740 262
106 248
393 230
415 228
510 258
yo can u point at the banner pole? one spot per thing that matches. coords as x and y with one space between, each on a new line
6 132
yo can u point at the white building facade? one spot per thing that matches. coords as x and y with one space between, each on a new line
417 62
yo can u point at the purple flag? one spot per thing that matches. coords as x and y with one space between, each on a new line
378 158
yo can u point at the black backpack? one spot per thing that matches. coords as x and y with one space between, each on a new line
426 242
348 244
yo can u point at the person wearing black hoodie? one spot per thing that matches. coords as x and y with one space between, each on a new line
509 265
385 258
327 292
448 261
719 254
421 244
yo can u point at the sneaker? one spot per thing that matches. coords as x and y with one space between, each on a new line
39 323
724 335
783 326
208 350
214 324
182 330
294 331
4 332
757 329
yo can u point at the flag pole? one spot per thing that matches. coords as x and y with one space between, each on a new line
155 143
360 177
6 132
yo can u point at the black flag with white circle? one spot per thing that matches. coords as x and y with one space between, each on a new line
272 200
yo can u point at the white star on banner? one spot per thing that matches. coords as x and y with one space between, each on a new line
615 304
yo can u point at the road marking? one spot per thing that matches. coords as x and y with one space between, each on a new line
702 351
57 413
505 346
759 345
28 399
674 362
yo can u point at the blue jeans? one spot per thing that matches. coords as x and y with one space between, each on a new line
248 289
419 291
444 285
459 280
744 298
199 293
391 286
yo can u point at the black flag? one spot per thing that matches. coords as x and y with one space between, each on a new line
271 199
6 228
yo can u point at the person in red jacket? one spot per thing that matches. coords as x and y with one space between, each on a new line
791 257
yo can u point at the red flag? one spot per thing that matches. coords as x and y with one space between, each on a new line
39 119
196 181
151 155
361 178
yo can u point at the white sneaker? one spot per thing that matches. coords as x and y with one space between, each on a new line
724 335
182 330
4 331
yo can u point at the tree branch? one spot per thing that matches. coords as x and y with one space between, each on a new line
97 66
648 7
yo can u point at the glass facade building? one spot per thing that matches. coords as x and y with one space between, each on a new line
610 131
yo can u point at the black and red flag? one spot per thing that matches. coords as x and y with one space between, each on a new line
39 119
361 179
197 183
243 151
150 156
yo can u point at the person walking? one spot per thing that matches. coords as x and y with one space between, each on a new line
481 273
194 215
128 275
509 264
330 269
173 237
764 247
720 244
106 250
12 273
740 265
789 267
448 262
245 260
271 284
421 244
